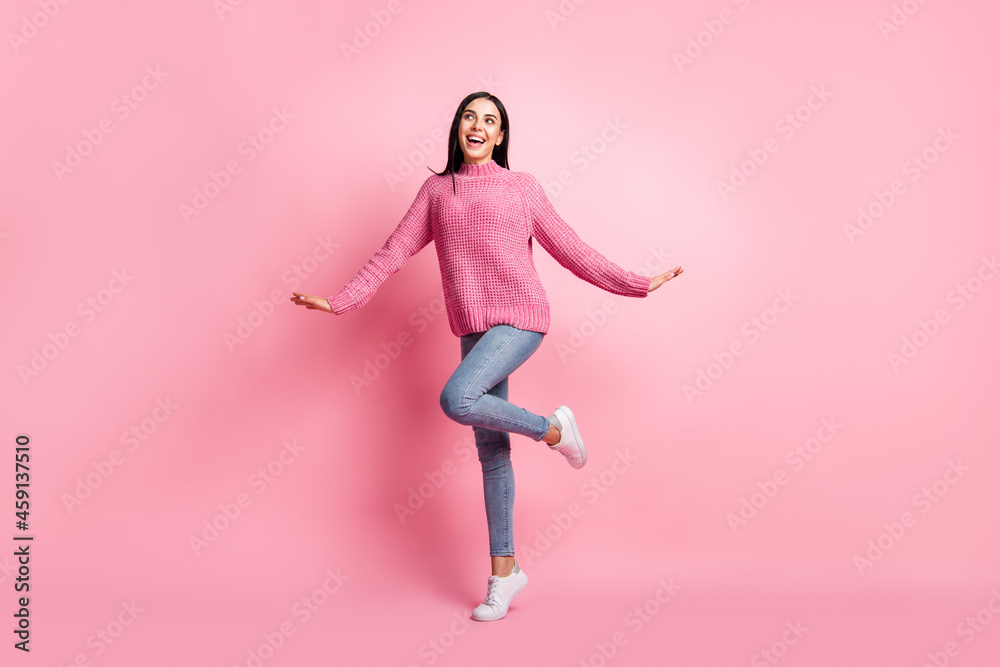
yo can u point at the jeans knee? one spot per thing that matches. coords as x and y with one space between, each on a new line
454 405
491 444
493 458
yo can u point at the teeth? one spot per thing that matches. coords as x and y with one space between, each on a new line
476 139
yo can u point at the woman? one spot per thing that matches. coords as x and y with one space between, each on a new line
482 221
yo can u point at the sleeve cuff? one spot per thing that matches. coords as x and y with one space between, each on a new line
341 302
640 284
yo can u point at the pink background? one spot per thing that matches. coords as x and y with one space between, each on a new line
662 138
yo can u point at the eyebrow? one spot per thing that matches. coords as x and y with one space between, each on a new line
489 115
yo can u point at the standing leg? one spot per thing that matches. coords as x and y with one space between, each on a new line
487 361
498 478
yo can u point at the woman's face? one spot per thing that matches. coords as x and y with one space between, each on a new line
480 120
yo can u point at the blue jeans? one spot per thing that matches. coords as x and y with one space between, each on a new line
476 395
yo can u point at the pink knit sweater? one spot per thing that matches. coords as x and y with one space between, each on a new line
483 235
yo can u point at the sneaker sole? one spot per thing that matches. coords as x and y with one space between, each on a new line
571 420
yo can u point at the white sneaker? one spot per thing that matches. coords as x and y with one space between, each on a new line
570 443
499 594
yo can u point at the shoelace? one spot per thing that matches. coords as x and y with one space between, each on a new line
491 593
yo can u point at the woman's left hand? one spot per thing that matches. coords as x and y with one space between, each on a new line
664 277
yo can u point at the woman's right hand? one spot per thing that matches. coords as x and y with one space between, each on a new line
312 302
656 281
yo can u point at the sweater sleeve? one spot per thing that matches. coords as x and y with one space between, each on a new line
560 241
410 236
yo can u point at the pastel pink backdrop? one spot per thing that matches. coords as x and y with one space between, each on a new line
317 197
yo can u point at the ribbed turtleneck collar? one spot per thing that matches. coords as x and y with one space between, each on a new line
488 169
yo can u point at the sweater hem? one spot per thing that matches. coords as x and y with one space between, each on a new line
475 320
